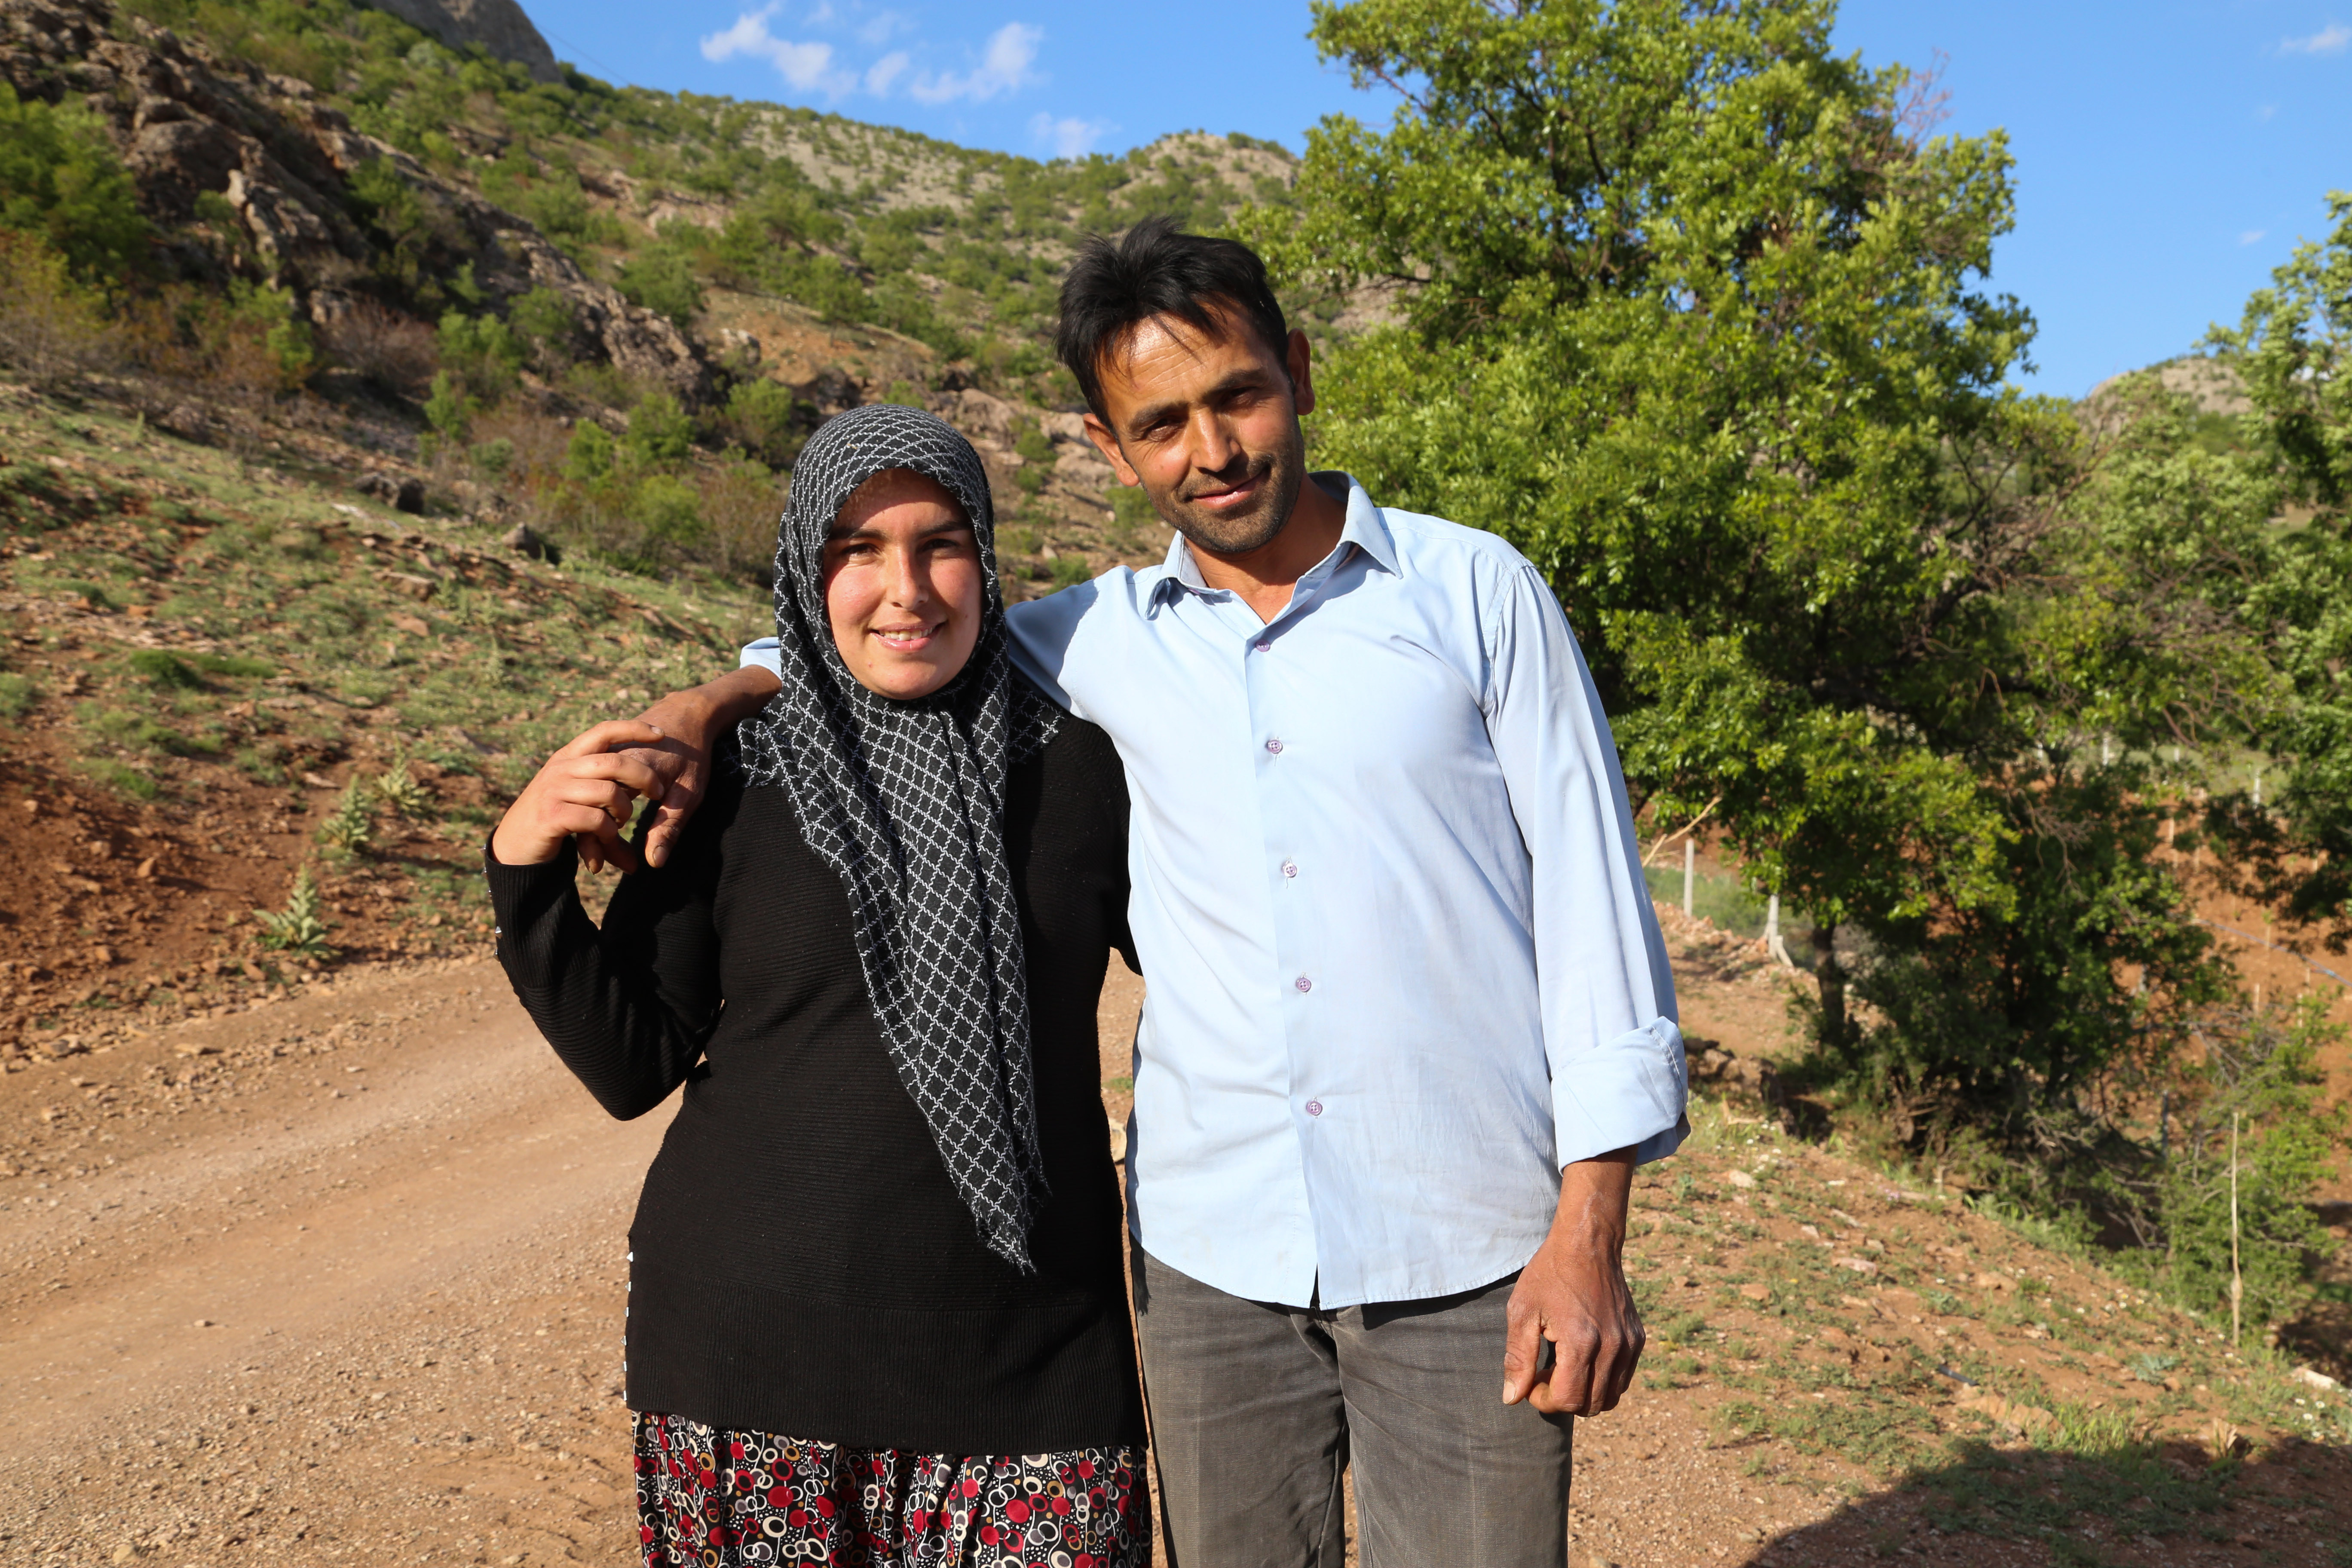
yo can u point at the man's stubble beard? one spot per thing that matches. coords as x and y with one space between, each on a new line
1238 534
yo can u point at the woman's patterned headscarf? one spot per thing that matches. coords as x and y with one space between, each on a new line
906 801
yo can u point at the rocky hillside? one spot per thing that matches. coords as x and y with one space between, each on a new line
497 26
422 410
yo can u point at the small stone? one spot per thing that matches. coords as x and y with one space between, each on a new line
1741 1178
203 1322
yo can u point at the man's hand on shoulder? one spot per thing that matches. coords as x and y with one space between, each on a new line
690 723
1573 1293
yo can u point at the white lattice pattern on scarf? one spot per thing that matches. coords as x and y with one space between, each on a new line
906 801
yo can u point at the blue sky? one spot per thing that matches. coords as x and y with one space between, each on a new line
2168 155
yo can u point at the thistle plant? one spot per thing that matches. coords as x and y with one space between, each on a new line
401 792
349 828
300 927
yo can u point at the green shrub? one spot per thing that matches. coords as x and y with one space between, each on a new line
668 516
660 433
661 279
1070 571
588 456
493 456
61 180
165 672
18 696
2264 1079
402 795
542 318
349 829
482 350
768 421
229 664
121 778
285 339
300 927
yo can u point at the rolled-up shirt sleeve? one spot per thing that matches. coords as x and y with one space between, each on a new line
1607 994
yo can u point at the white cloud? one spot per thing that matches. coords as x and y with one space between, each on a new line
1066 137
1003 67
2332 39
2252 236
807 67
885 71
882 28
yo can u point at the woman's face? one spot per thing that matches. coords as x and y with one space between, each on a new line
902 585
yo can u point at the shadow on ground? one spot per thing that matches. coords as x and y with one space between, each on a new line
2153 1505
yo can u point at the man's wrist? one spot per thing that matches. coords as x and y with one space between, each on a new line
738 694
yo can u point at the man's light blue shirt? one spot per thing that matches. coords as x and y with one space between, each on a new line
1400 961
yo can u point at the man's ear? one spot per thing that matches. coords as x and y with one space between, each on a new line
1295 360
1107 445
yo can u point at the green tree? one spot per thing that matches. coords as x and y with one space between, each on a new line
1692 308
60 180
2293 351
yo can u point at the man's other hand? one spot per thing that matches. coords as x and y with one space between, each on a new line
690 724
1573 1293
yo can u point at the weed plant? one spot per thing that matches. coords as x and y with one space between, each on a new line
300 929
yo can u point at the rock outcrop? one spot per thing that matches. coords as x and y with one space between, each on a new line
498 25
192 125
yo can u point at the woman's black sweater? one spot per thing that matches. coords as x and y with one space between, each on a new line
801 1263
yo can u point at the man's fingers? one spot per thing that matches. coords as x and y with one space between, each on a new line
612 733
668 763
615 801
1522 1349
628 769
668 822
1571 1387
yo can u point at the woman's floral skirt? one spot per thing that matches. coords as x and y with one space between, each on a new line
716 1498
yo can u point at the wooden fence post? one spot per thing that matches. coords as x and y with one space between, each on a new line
2237 1279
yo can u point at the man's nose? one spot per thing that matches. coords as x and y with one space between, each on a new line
1213 446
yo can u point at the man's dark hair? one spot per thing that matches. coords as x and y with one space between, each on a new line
1156 269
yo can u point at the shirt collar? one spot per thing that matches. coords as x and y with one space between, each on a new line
1365 529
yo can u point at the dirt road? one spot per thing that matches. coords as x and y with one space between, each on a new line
340 1279
347 1284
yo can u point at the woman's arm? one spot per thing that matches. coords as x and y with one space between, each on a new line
629 1006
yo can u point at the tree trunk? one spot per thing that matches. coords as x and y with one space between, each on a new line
1829 974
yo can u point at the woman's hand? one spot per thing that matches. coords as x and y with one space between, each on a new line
689 723
588 789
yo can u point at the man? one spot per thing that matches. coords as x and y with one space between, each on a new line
1410 1025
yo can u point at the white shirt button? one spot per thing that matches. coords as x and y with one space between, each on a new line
1304 983
1273 744
1314 1107
1264 646
1290 867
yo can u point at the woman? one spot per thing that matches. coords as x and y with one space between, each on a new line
876 1308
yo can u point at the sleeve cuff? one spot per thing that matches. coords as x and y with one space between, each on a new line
765 652
1629 1092
517 891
